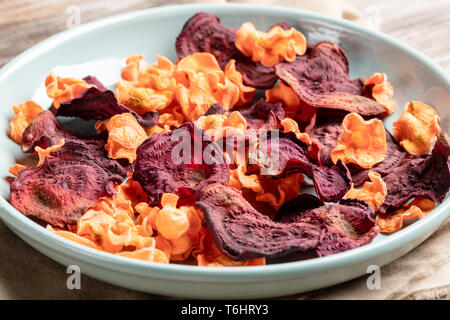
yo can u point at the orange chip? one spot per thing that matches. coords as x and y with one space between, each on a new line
24 114
373 192
362 142
382 91
131 190
147 254
222 125
271 47
64 89
14 169
171 222
246 93
125 135
74 237
290 125
141 99
417 128
208 255
169 119
391 222
44 153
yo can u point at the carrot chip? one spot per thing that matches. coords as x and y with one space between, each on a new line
125 135
271 47
373 192
391 222
64 89
24 114
417 128
381 90
361 142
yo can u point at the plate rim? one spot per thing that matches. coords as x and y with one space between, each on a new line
218 274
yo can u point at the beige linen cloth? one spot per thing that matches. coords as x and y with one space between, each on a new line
424 273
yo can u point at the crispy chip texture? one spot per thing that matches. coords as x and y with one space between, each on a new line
271 47
69 181
217 125
320 79
64 89
263 115
373 192
203 32
381 90
24 114
362 142
171 163
417 127
125 135
418 208
426 176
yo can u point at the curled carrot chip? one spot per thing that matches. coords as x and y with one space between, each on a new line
125 135
14 169
24 114
271 47
246 93
171 222
131 190
74 237
290 125
64 89
417 128
44 153
361 142
381 90
222 125
169 119
418 208
373 192
293 106
141 99
208 255
147 254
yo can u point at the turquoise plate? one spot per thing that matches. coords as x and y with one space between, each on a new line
152 32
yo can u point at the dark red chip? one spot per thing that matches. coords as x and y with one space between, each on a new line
182 161
263 115
320 79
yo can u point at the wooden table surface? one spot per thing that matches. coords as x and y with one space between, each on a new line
27 274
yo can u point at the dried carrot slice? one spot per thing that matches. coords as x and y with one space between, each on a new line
418 208
147 254
222 125
271 47
381 90
125 135
14 169
74 237
24 114
362 142
64 89
373 192
290 125
417 128
171 222
44 153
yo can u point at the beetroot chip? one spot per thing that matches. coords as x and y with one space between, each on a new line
215 108
172 163
325 138
292 210
427 176
243 233
320 79
204 32
66 184
331 183
99 104
263 115
45 131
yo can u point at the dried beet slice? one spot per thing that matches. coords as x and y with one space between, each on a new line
204 32
45 131
98 104
331 184
292 210
395 155
325 137
320 79
263 115
66 184
171 163
243 233
426 176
